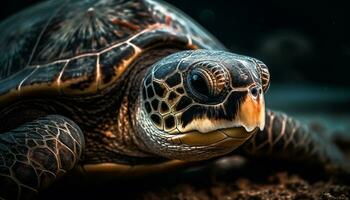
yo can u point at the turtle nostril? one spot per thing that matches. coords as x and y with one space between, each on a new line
255 92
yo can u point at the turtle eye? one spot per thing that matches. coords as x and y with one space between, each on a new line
207 81
199 84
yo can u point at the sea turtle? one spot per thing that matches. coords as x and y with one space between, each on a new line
117 86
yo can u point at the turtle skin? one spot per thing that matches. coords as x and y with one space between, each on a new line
74 51
65 73
35 154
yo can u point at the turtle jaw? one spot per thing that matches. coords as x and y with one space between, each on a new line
228 138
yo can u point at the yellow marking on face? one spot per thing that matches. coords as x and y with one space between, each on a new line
230 143
197 138
205 125
252 113
234 136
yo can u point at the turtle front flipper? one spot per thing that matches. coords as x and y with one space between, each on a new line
286 138
35 154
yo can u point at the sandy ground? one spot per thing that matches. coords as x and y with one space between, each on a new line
257 180
281 185
254 181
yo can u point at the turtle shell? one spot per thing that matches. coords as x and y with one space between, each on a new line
76 47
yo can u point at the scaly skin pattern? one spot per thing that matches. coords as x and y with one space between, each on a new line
171 106
168 105
36 154
287 138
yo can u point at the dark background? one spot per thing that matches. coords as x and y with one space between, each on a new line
300 41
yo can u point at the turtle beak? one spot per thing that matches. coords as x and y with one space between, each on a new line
251 114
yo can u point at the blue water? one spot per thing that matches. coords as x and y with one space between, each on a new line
328 106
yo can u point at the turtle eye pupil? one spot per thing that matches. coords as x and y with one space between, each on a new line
199 84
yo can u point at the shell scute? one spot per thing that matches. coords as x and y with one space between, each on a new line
79 47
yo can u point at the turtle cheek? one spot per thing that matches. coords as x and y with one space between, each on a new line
251 113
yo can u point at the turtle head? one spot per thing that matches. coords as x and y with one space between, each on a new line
199 104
